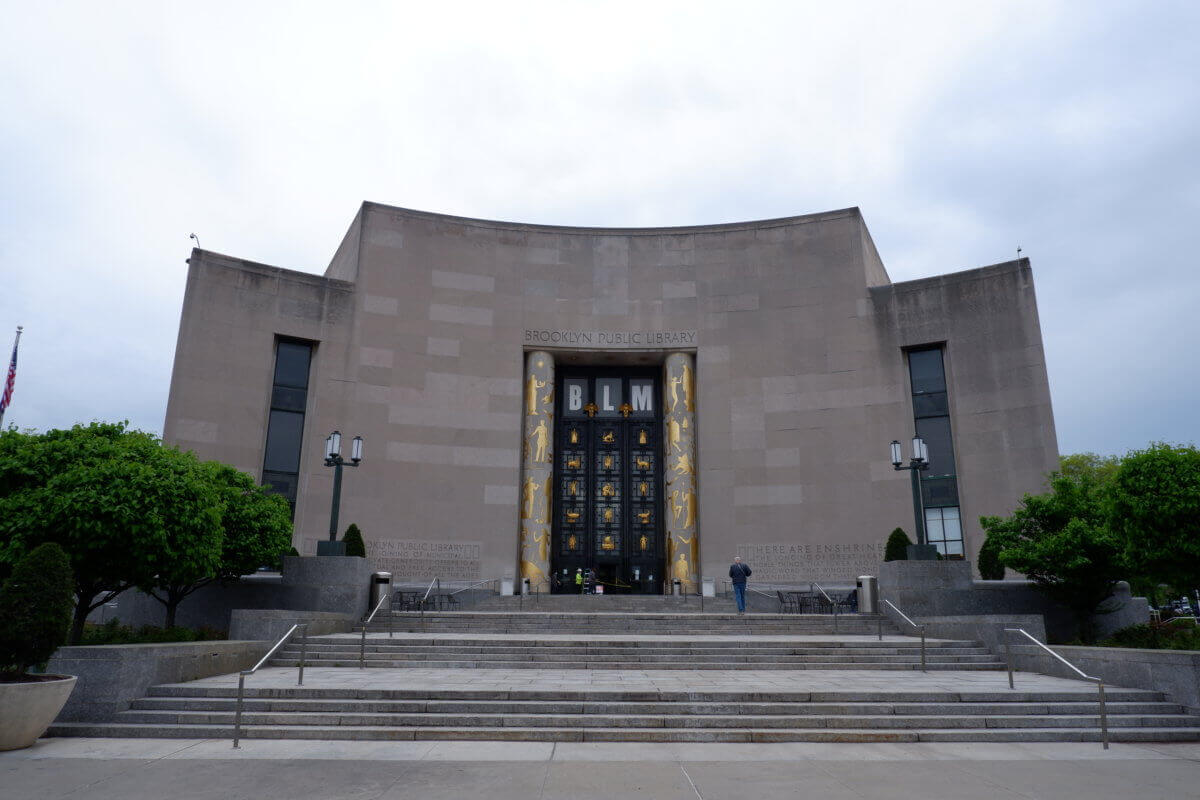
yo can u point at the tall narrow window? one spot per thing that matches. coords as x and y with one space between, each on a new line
285 423
939 485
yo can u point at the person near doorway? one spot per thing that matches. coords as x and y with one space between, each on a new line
738 573
579 581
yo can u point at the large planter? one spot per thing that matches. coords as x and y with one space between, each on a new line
28 708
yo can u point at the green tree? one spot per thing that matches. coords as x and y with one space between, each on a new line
1100 470
1062 542
989 564
896 548
35 610
1155 513
355 546
253 527
113 498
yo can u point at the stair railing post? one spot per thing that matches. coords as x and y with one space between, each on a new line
1008 658
1103 715
922 648
237 714
879 631
362 649
303 652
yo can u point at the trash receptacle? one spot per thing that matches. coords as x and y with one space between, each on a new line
677 586
868 594
381 585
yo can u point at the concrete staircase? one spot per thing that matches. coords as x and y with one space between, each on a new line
643 670
188 711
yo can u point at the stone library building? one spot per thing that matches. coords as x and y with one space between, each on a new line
647 403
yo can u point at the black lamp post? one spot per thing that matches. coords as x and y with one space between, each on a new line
333 458
919 461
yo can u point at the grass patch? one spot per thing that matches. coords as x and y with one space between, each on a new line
113 632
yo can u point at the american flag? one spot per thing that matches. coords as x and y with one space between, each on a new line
6 398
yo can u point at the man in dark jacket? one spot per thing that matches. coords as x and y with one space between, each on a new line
738 573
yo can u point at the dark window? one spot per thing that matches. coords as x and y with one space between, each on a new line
939 484
284 432
291 364
936 433
285 423
925 367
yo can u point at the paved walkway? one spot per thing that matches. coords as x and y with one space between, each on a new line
810 680
148 769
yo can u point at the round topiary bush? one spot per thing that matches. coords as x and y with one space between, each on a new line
990 568
897 546
354 542
36 603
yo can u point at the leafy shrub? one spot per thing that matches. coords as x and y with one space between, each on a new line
896 548
113 632
1162 636
35 610
354 542
990 568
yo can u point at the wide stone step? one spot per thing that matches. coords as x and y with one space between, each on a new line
183 704
692 664
580 734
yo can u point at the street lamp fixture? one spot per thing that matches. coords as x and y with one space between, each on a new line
333 458
916 464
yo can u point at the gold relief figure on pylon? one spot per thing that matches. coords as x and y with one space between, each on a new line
673 383
607 490
643 437
683 465
548 398
643 543
683 507
572 542
572 516
528 497
575 463
531 395
608 515
609 437
541 439
572 488
544 516
607 543
643 488
682 572
608 462
641 463
532 571
543 543
675 430
574 436
644 517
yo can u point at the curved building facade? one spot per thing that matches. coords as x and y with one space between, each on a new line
647 403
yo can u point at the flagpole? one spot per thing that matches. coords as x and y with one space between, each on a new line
9 380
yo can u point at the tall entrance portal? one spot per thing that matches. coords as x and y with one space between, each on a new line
608 475
608 478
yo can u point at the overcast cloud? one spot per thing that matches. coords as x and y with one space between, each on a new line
962 130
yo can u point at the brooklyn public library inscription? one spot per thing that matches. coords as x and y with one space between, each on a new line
610 340
407 558
788 562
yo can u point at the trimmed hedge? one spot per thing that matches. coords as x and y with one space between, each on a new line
897 546
36 605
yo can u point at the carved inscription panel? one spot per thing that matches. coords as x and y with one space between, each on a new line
788 562
411 558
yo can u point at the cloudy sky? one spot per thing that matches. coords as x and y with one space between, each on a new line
962 130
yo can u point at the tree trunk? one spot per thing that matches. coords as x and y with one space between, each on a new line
172 605
83 607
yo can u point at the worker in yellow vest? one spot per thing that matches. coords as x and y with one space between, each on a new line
579 581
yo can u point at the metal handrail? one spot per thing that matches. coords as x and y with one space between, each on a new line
1098 681
832 604
237 715
473 585
921 628
438 582
362 648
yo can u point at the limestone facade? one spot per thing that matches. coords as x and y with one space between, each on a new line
794 337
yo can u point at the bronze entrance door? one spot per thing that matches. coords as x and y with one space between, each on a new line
608 479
